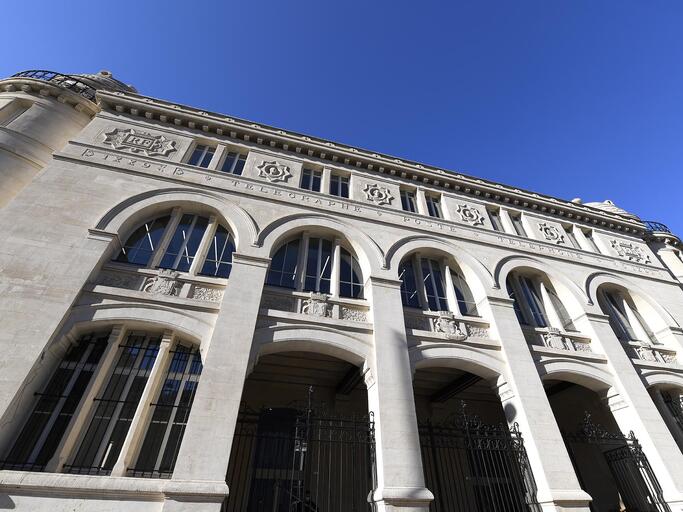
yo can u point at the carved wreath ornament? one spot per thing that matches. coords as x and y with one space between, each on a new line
470 214
448 326
139 142
273 171
378 195
551 233
630 251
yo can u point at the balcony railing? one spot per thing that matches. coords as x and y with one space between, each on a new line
554 338
656 227
64 81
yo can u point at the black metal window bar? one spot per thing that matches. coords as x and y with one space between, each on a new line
638 487
55 406
301 460
65 81
474 467
675 407
170 413
114 408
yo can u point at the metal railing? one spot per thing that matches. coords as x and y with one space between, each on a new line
652 226
64 81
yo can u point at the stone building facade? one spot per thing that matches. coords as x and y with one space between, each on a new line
202 313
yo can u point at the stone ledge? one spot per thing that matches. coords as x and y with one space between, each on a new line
110 486
574 354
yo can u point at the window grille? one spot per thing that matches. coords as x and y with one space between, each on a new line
170 412
115 406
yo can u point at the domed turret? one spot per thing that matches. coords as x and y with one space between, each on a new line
105 80
609 207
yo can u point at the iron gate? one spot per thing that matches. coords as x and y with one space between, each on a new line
636 483
301 460
473 467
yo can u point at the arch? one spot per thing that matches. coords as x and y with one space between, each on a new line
134 210
575 371
370 255
511 263
598 279
461 357
664 379
137 314
320 339
400 249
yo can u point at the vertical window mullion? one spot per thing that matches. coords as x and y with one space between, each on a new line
183 246
176 217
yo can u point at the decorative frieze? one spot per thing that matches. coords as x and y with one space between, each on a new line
552 337
207 294
470 214
652 354
139 142
274 171
353 314
378 195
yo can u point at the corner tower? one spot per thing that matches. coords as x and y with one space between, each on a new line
39 112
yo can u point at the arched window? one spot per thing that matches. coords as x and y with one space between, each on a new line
435 285
131 365
536 302
626 321
311 264
180 241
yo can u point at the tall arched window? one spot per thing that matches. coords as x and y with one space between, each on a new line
100 418
536 302
435 285
626 321
180 241
313 264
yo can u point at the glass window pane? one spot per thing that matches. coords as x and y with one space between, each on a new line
197 154
140 246
466 302
283 267
218 262
184 243
409 294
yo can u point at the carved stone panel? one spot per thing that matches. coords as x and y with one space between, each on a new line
630 251
448 326
165 283
554 339
551 233
207 294
378 195
274 171
353 314
470 214
139 142
316 305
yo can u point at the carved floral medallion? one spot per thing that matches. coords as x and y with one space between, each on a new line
378 195
274 171
630 251
551 233
470 214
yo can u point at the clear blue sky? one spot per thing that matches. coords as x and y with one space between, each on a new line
573 98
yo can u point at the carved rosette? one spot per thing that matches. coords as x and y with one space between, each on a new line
378 195
551 233
165 283
470 214
316 305
630 251
139 142
448 326
273 171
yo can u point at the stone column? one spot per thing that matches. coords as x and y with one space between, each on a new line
400 480
205 449
525 402
634 410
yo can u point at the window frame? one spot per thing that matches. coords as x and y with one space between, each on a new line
342 180
314 178
434 209
208 151
408 200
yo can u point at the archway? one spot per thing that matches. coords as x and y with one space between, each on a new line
669 402
473 461
610 465
304 440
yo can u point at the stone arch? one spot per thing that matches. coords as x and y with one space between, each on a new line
664 379
319 339
369 254
578 372
476 273
598 279
124 216
461 357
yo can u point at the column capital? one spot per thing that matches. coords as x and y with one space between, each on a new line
248 259
384 282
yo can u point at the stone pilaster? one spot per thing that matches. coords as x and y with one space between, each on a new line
400 485
525 402
205 449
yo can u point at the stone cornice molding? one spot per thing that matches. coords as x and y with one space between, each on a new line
46 89
248 259
312 147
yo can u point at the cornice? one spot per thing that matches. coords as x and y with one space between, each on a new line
47 89
340 154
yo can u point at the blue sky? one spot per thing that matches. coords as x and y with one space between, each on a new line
569 98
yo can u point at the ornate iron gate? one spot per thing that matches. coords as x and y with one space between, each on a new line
301 460
473 467
637 484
